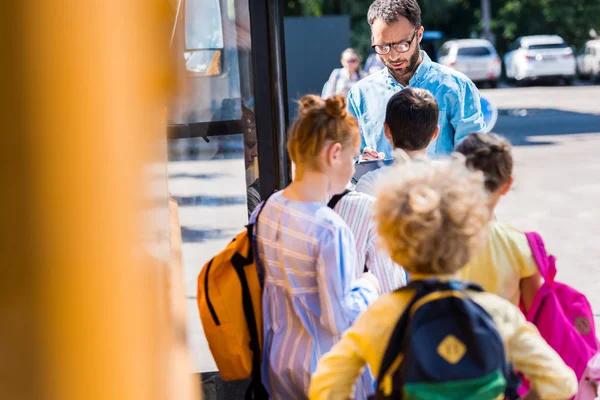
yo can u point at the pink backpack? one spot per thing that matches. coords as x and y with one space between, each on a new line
588 386
562 315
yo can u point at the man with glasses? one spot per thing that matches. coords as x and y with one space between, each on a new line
396 33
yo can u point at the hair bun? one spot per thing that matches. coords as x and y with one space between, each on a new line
310 102
423 200
499 148
335 106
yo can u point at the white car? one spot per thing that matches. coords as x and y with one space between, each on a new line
540 57
476 58
588 63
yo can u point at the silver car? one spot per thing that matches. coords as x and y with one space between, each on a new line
476 58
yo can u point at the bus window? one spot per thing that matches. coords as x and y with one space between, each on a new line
215 46
203 37
203 27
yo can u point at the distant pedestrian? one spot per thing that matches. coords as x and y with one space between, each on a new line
342 79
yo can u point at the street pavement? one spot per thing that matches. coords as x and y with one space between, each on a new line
555 132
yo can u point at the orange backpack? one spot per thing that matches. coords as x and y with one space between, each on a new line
230 306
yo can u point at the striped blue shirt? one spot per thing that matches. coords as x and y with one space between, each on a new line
356 209
311 294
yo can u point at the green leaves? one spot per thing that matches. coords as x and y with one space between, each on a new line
571 19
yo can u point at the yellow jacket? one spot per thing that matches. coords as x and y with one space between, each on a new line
366 341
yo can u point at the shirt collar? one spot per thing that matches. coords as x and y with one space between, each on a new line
440 277
418 76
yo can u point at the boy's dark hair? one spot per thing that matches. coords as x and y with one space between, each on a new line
389 11
412 116
489 153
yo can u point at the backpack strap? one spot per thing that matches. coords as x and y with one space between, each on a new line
333 202
421 287
256 390
430 285
546 264
336 198
253 225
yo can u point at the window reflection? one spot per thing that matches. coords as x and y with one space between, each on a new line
251 162
203 62
203 27
216 45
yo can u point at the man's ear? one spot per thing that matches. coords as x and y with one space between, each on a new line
506 187
435 134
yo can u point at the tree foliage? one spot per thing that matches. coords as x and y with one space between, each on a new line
571 19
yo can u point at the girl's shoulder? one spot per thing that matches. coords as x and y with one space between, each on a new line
503 312
307 214
328 218
502 235
503 229
336 73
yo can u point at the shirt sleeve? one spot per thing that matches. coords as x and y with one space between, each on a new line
342 297
549 376
330 85
391 276
525 263
363 344
467 116
366 184
354 111
338 370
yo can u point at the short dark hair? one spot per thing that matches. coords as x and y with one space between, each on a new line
412 116
389 11
489 153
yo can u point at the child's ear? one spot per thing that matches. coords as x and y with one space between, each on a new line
388 134
435 134
506 187
334 153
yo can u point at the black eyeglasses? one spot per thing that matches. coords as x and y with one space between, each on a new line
400 47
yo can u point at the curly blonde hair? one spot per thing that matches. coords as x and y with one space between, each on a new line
432 216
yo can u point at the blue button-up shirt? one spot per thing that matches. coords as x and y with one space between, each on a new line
457 97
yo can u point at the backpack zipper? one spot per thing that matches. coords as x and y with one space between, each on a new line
208 303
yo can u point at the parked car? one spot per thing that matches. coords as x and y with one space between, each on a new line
476 58
588 62
532 58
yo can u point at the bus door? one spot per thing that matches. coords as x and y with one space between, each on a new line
226 133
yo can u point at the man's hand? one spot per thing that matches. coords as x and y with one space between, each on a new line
370 154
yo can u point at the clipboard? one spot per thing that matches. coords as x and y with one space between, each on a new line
368 166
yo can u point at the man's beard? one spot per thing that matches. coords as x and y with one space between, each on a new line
409 69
